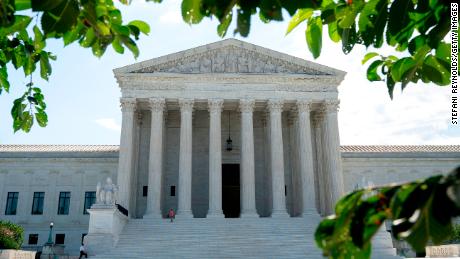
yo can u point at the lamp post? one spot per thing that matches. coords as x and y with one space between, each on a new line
50 237
229 140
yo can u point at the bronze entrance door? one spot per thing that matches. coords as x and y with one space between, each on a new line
231 190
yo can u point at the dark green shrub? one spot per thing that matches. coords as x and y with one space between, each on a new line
11 235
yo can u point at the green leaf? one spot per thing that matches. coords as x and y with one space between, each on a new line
102 29
399 28
142 26
390 85
20 23
73 34
313 35
243 22
435 71
372 74
22 4
369 56
372 22
42 118
191 13
116 44
333 32
45 66
223 25
121 30
131 45
349 39
4 83
401 69
115 17
62 18
19 56
443 51
300 16
45 5
39 42
89 39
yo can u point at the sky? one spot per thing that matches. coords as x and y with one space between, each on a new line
83 97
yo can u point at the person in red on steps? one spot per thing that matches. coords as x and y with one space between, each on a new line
171 214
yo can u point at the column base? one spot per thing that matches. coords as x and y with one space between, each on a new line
215 215
280 214
184 215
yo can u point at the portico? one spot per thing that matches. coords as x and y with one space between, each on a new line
179 109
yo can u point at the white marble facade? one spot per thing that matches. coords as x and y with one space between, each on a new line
175 111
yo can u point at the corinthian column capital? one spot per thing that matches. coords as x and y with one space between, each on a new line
128 104
275 105
304 105
186 105
215 105
247 105
332 105
157 104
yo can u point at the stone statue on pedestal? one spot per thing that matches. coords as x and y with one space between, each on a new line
106 194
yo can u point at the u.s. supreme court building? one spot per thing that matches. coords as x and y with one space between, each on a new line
241 141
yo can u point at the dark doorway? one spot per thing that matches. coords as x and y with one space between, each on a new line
231 190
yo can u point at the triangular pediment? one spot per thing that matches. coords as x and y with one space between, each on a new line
229 56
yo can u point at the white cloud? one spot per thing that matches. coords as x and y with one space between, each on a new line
108 123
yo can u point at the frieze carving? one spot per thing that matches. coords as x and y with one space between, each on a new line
229 59
275 105
215 105
247 105
128 104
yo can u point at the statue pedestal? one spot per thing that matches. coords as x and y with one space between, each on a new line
105 225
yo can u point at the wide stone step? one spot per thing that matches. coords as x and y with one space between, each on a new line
287 238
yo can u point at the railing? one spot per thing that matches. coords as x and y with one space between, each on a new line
122 209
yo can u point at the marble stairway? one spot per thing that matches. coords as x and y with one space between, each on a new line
223 238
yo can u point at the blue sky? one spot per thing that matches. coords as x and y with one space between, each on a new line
83 96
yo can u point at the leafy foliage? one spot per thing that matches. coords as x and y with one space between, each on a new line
11 235
420 212
416 28
94 24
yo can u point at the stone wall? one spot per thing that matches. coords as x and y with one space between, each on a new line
76 173
384 168
79 172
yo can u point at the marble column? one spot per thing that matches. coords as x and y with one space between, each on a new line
248 188
126 156
334 159
277 159
215 159
157 106
184 209
320 172
306 159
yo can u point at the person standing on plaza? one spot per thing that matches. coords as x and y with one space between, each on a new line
171 215
83 251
